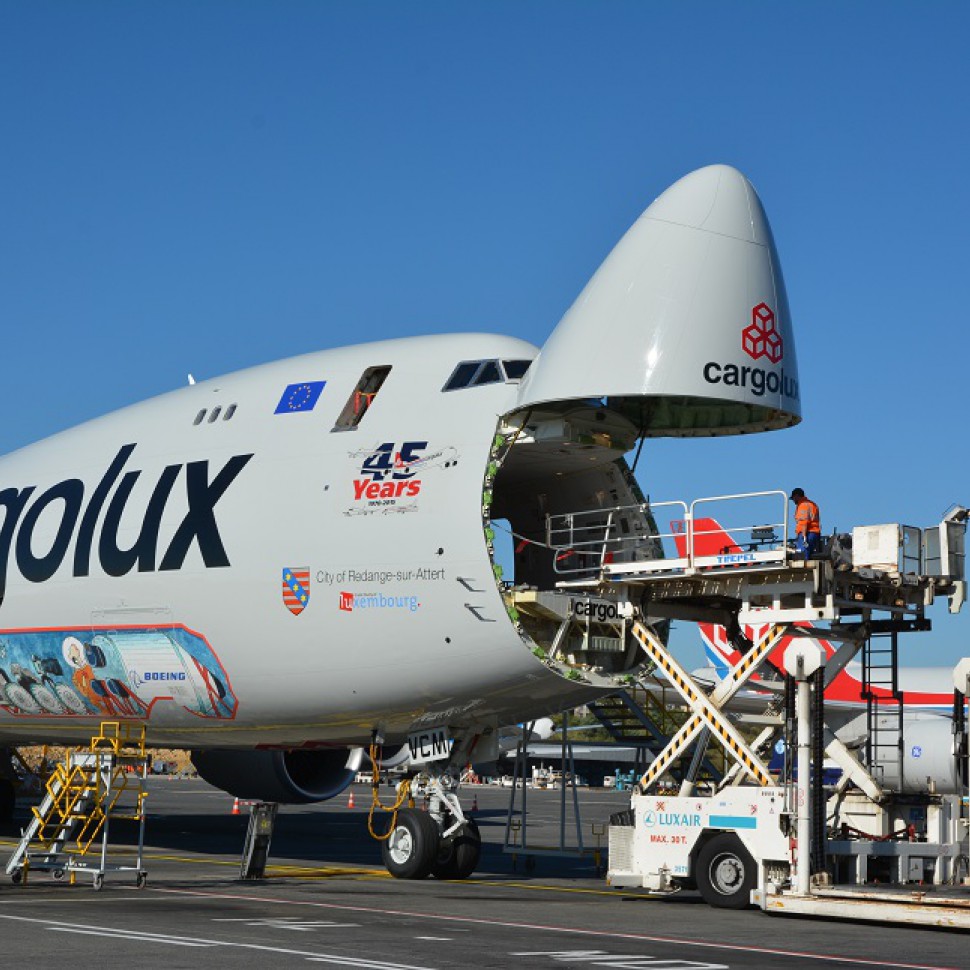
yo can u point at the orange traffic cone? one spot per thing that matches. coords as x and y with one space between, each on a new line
350 801
235 807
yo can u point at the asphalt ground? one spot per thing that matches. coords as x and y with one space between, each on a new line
326 899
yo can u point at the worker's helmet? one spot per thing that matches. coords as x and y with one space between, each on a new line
796 494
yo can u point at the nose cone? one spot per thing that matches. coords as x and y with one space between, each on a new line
717 199
685 327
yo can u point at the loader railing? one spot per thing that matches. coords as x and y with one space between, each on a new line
715 532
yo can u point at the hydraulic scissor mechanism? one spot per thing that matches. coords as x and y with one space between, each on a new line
707 715
436 839
708 721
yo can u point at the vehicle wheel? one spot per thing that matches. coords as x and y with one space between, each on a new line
21 699
47 699
458 858
412 848
99 882
70 699
57 873
142 881
726 873
17 877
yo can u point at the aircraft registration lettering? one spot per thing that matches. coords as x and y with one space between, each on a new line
116 671
430 745
66 498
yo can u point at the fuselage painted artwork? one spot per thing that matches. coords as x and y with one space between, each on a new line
111 673
303 553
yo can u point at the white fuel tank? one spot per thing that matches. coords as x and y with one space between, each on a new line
685 326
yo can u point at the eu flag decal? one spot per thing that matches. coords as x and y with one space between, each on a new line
300 397
296 589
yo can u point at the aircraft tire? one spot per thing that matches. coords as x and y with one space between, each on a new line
412 848
725 873
459 859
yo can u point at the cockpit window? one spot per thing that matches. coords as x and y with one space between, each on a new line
475 373
515 369
463 375
488 373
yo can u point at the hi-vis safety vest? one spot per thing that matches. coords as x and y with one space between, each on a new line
806 517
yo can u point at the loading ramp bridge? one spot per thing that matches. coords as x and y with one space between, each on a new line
748 577
728 560
714 564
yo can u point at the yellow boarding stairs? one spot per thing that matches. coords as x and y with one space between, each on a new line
85 791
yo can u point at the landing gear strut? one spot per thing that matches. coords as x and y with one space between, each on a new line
441 841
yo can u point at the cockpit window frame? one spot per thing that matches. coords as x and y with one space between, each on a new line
482 373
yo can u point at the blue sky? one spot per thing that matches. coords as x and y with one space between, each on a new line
202 186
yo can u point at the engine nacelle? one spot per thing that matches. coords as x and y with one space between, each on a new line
289 777
928 759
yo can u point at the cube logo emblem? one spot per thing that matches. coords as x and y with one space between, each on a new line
761 338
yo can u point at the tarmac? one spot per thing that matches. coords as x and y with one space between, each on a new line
327 899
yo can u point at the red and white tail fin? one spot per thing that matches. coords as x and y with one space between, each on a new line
710 538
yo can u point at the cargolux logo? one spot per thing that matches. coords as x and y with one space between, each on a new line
761 338
100 521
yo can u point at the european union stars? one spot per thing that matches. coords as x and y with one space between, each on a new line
300 397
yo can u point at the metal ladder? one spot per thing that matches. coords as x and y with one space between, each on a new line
82 794
884 711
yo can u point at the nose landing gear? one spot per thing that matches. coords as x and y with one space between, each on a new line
438 840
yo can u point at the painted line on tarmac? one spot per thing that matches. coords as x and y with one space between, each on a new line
827 958
306 871
134 936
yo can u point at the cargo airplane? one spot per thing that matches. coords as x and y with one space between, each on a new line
277 567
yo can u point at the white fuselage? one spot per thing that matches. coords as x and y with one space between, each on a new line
402 623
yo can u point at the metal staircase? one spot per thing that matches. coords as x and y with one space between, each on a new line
91 786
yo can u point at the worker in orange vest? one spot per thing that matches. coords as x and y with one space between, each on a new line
808 528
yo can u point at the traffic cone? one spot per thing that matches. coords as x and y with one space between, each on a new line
235 807
350 801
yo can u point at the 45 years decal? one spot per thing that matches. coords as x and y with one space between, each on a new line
389 476
392 475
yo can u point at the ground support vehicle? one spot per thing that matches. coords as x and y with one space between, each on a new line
779 839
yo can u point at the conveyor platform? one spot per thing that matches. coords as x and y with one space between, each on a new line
733 555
